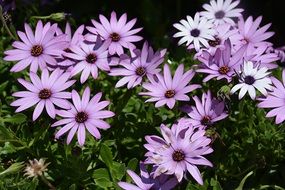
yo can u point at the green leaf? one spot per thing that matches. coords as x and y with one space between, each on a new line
103 183
106 155
240 187
16 119
101 173
118 170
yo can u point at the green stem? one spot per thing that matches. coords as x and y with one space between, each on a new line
5 24
44 179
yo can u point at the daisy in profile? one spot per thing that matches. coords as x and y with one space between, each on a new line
73 40
222 11
146 181
253 78
163 89
118 30
251 33
84 114
195 32
275 100
180 150
89 57
44 92
36 49
206 111
143 64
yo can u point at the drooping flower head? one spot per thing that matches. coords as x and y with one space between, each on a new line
206 111
251 33
44 92
222 65
143 64
275 100
89 57
253 78
120 32
195 32
146 181
84 114
180 150
36 49
36 168
222 11
163 89
73 40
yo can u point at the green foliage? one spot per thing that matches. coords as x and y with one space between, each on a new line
249 150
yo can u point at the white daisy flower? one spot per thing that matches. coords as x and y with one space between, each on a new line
221 11
251 79
196 33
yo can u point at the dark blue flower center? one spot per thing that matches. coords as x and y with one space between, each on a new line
249 80
37 50
178 155
214 43
140 71
115 37
220 14
45 94
224 70
206 120
91 58
81 117
169 94
195 32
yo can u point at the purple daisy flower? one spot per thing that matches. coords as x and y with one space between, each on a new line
251 33
73 40
206 111
275 100
263 57
180 150
46 91
84 113
222 11
224 32
36 49
146 181
167 90
221 65
89 58
119 31
144 64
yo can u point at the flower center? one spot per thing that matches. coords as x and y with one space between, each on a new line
220 14
81 117
224 70
195 33
206 120
169 94
37 50
140 71
249 80
115 37
67 50
178 155
91 58
45 94
214 43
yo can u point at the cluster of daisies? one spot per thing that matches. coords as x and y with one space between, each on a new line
228 46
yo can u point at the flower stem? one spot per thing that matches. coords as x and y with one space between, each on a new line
5 24
44 179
